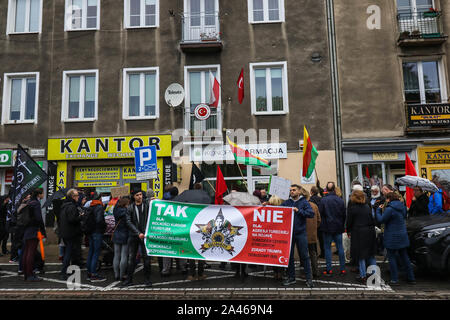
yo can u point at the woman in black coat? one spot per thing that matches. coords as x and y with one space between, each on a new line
361 231
120 238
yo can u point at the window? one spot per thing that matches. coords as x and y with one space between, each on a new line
24 16
141 13
141 93
423 82
263 11
268 84
198 91
80 95
201 20
20 97
82 15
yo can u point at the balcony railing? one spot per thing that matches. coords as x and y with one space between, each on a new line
201 31
419 27
428 115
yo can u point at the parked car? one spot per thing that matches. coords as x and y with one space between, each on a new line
430 242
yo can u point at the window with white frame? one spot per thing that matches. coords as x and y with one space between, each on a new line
269 88
197 81
424 82
80 95
141 13
20 97
82 15
141 93
24 16
263 11
414 6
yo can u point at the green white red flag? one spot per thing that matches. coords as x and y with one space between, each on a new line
310 154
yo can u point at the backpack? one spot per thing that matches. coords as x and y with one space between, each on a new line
445 201
24 217
88 221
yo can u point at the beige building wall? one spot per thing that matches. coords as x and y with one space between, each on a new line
290 168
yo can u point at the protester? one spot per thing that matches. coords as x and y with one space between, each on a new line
312 224
70 230
96 214
136 222
435 202
332 212
361 230
31 228
276 201
376 200
257 194
171 193
120 239
4 200
396 239
316 198
419 204
302 210
19 231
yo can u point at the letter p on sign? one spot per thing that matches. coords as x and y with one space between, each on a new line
144 155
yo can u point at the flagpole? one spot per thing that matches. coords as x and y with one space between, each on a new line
242 175
211 186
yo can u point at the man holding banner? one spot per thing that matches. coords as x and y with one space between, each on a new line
302 210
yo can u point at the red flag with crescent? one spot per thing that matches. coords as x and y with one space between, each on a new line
240 84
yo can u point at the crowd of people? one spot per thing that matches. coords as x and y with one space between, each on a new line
375 225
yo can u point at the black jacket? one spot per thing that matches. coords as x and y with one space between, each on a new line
361 226
419 207
37 223
69 220
99 214
135 227
121 232
332 212
316 200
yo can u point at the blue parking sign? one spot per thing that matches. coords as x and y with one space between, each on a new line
145 163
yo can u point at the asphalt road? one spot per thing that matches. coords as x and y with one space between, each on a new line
260 284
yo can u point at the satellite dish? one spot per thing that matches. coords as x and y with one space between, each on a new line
174 95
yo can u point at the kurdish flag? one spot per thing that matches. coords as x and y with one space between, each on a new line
243 156
310 154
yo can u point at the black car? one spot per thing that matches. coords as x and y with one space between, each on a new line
430 242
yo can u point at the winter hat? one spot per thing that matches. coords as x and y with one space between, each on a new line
358 187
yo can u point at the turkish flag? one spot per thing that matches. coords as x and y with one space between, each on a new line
221 187
410 170
214 91
240 84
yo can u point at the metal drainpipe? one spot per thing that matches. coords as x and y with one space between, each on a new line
335 95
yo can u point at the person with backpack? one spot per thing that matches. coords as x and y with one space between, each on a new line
94 226
70 230
435 202
33 222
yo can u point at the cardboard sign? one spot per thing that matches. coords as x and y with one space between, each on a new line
279 187
120 191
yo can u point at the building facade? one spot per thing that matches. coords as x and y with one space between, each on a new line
393 85
84 83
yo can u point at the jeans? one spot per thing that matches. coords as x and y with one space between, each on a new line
201 267
133 245
95 247
28 257
403 255
72 246
337 238
362 265
120 260
301 241
312 249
